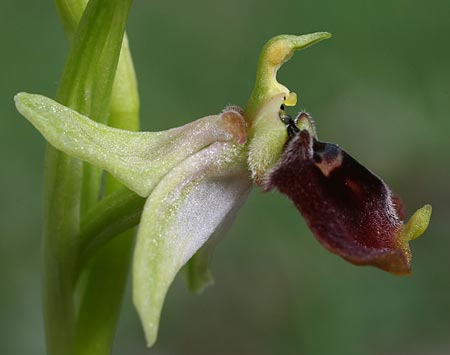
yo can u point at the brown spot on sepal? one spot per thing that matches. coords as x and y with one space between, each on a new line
234 122
351 211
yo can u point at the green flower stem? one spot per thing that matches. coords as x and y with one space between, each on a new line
116 213
108 271
92 66
70 12
124 97
100 307
62 190
97 64
124 108
119 211
90 69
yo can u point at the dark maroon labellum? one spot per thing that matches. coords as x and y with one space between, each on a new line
350 210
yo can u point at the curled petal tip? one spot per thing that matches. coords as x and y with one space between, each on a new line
280 49
274 54
304 41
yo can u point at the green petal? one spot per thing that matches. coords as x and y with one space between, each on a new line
277 51
138 159
417 224
180 215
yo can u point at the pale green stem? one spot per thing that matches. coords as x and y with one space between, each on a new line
70 12
62 190
115 214
90 69
108 271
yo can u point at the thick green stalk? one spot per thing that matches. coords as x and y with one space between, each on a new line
62 191
108 271
102 298
70 12
116 213
86 87
99 89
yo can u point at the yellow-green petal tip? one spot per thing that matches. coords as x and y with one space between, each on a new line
418 223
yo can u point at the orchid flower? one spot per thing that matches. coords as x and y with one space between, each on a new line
196 177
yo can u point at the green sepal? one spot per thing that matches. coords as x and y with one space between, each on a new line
197 273
138 159
180 215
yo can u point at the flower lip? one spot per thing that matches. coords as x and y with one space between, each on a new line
350 210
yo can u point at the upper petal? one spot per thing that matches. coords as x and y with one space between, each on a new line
266 133
351 211
182 212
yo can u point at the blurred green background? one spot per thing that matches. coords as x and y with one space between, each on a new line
380 88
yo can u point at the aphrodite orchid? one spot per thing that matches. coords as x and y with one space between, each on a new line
197 176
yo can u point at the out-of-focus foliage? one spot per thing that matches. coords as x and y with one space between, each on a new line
380 88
